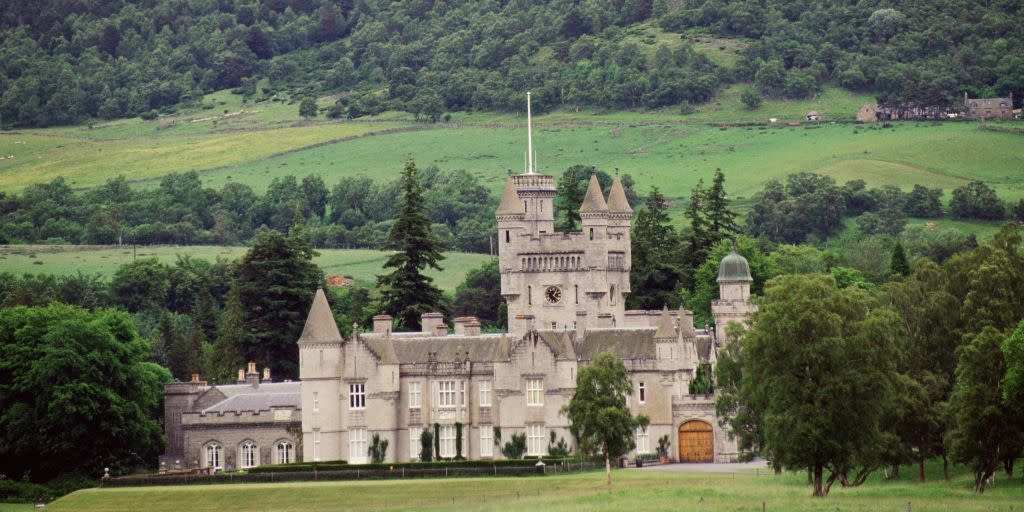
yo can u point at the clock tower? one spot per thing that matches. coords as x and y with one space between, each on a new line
561 281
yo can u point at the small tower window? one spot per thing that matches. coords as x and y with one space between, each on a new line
508 236
524 207
611 294
529 295
591 233
577 290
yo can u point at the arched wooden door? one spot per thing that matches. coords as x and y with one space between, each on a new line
696 442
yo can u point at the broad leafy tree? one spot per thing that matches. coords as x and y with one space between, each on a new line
407 292
76 392
598 415
819 411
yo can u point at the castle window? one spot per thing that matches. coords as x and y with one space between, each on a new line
446 393
577 288
611 296
554 325
316 444
524 207
462 393
357 445
213 457
357 396
529 295
535 440
508 236
485 393
414 395
316 401
447 442
642 392
285 451
247 455
414 442
534 392
486 441
591 233
643 440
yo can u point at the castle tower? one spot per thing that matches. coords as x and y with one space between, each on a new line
562 281
733 302
320 360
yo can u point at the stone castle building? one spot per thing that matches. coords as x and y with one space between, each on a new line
566 303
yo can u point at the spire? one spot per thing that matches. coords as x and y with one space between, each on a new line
509 200
530 156
666 329
594 200
617 202
320 325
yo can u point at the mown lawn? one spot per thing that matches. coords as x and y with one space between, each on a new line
634 490
363 265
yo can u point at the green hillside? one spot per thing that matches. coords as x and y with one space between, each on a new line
361 265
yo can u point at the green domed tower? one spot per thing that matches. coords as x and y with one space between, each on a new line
733 304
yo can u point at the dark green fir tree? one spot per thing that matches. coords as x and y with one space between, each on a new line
899 265
407 292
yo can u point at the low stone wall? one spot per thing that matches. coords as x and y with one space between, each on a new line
353 473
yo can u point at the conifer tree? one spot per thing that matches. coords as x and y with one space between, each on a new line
656 268
569 197
698 239
899 266
227 353
407 292
721 221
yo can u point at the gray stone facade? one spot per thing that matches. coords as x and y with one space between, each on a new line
565 294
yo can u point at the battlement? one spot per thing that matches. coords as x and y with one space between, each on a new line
533 182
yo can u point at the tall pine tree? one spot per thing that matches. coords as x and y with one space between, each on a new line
407 292
656 268
227 348
698 240
898 266
721 221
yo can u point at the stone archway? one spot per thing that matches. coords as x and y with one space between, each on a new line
696 442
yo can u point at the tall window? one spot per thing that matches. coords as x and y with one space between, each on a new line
213 457
446 393
508 237
357 445
447 441
357 396
284 452
643 441
316 445
414 442
534 392
535 440
486 441
462 393
414 395
247 455
642 392
485 393
316 402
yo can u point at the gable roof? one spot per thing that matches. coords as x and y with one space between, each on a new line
622 343
417 349
666 328
320 325
509 200
246 397
594 202
617 202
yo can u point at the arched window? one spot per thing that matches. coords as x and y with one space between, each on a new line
284 451
247 455
213 456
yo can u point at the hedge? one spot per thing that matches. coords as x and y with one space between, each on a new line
343 466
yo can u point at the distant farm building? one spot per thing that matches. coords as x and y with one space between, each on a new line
988 108
871 113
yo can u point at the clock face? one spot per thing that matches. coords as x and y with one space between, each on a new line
553 295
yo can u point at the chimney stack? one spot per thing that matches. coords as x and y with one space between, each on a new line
431 322
382 324
241 375
195 377
467 326
252 377
266 374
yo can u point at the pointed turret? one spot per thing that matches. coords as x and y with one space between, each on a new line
666 328
509 200
320 325
617 202
594 200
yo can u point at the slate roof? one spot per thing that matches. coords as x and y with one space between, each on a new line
320 325
594 202
617 202
622 343
245 397
417 348
509 200
666 328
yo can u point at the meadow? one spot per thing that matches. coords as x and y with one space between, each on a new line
362 265
634 490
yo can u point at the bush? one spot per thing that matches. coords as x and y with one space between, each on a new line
149 115
437 464
751 98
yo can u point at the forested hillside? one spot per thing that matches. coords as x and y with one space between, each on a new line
66 61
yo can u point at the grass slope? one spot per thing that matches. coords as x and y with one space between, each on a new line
634 490
363 265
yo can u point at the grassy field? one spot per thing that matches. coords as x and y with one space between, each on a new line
360 264
634 490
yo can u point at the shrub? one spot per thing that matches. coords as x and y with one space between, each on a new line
149 115
516 447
